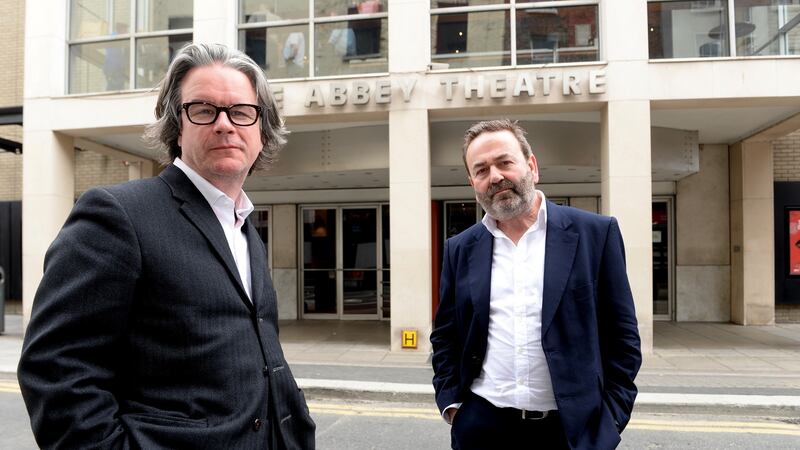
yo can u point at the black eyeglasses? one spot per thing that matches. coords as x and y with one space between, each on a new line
202 113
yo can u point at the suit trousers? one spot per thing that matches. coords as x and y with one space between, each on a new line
479 425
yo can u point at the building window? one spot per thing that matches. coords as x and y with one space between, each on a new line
489 33
701 29
124 44
292 39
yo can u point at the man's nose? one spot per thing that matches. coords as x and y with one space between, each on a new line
495 176
223 123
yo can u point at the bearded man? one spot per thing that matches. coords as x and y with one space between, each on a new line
535 341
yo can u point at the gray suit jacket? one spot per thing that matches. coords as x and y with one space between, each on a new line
142 335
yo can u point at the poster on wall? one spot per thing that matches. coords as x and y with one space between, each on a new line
794 242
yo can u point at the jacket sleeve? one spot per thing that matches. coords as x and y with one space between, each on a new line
69 370
444 339
619 335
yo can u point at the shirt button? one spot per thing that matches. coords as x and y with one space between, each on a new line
256 424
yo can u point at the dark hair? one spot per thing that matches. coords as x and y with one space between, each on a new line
491 126
163 134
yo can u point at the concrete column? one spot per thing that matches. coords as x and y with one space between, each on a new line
410 223
48 180
409 35
626 182
215 22
626 187
752 240
284 259
48 191
702 238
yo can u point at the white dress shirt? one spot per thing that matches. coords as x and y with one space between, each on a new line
515 372
231 216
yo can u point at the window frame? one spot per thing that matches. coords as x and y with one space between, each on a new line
131 36
512 7
310 21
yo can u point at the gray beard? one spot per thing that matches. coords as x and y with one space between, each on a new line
513 203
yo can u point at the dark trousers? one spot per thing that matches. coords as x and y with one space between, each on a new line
479 425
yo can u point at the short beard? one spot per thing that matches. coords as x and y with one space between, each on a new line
516 202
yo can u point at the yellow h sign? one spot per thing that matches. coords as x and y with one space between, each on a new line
409 339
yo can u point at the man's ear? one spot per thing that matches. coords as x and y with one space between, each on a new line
469 178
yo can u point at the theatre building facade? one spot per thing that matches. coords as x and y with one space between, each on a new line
677 117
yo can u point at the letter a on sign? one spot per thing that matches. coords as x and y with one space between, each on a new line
409 339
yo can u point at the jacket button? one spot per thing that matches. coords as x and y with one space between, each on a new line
265 371
256 424
260 319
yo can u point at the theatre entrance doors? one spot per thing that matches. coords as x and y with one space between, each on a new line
344 252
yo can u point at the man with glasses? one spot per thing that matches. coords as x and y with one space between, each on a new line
155 324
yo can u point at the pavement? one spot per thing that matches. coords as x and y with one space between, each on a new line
693 367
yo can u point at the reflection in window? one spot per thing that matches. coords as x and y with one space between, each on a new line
688 29
95 18
280 51
97 64
350 36
767 27
555 35
479 33
153 56
102 66
478 39
357 46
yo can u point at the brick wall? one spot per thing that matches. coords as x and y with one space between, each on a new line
786 157
92 169
12 35
10 177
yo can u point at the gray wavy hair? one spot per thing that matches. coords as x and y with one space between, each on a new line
163 134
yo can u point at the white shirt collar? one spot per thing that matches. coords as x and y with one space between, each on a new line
242 207
541 219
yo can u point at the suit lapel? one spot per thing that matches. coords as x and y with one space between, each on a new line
197 210
480 274
258 260
560 247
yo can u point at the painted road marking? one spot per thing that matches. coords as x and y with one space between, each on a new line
9 386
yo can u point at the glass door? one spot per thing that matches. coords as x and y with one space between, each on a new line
359 262
662 259
345 271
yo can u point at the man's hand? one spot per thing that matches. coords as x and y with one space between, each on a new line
451 414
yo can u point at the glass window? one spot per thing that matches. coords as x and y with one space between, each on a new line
158 15
324 8
688 29
460 3
94 18
555 35
350 36
477 39
97 67
280 51
252 11
357 46
153 56
97 64
767 27
479 33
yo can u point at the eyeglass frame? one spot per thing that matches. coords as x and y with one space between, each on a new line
218 109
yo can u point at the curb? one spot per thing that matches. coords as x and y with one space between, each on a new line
370 389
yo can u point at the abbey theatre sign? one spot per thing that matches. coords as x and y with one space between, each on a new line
468 87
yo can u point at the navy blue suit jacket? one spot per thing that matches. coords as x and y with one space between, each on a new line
143 336
589 330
